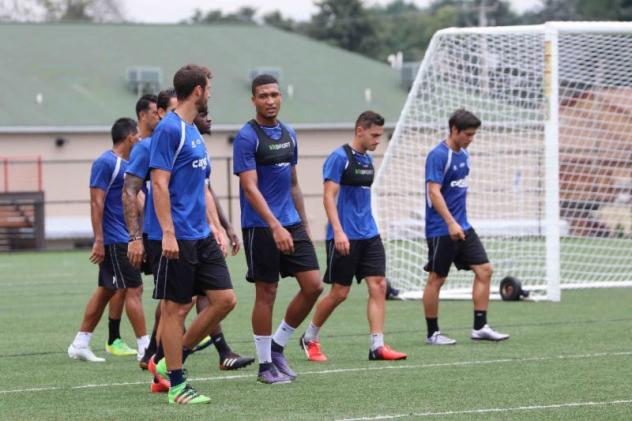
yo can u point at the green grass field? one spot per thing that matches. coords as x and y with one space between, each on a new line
568 360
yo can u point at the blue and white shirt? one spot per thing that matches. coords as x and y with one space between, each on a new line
107 174
451 170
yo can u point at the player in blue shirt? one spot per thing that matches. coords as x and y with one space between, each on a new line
274 226
110 241
450 237
190 261
354 246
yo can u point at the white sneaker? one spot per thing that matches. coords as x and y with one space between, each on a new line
84 354
486 333
439 338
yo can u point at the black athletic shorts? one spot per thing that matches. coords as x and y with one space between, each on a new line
266 262
443 251
366 258
200 267
116 272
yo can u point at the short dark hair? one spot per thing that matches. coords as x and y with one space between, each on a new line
368 119
188 77
264 79
462 119
164 97
143 103
122 128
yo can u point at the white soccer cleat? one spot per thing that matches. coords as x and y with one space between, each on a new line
439 338
486 333
83 354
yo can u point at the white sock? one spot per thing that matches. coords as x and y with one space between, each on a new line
143 343
82 340
312 333
283 334
263 344
377 341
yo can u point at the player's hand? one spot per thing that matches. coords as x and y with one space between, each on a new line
283 240
135 253
98 252
341 243
455 231
221 241
234 241
170 247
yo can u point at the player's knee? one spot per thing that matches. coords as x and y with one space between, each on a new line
229 302
485 272
313 290
340 294
266 294
377 287
435 281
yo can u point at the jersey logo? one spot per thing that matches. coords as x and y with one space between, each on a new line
200 163
194 143
462 183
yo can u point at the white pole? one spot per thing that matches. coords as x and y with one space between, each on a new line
551 153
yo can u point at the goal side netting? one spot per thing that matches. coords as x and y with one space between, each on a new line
551 167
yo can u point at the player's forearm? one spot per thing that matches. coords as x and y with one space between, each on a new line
331 210
220 212
211 211
162 204
258 202
438 203
131 188
299 203
96 215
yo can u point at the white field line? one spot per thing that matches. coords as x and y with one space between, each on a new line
341 370
492 410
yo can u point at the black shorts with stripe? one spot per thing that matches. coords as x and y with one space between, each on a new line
266 262
365 258
116 272
201 266
443 251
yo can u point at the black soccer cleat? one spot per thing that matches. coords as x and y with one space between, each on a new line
234 361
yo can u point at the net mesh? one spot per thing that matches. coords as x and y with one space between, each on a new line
501 78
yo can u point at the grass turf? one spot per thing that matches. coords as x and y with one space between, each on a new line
560 356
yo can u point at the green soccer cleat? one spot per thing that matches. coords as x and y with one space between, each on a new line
119 349
184 394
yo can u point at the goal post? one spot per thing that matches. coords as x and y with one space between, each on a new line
550 187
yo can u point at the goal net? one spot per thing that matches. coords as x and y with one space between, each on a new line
551 167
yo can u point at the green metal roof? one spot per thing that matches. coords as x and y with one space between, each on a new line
80 71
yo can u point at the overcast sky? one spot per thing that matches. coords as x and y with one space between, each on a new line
175 11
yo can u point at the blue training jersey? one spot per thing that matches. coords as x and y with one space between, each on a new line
274 181
178 147
107 174
354 202
450 169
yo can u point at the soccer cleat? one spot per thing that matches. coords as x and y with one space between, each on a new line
204 343
184 394
385 353
312 350
157 387
234 361
83 354
273 376
161 376
486 333
280 362
119 348
439 338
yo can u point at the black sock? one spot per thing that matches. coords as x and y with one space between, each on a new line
151 348
160 353
264 366
276 347
185 353
433 325
176 377
114 328
480 319
221 345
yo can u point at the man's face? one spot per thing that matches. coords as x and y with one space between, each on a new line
202 102
203 123
173 103
134 137
151 116
267 100
463 138
370 138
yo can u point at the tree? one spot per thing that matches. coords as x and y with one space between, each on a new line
277 20
62 10
346 24
243 15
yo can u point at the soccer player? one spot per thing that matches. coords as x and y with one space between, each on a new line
354 246
110 237
450 237
275 229
190 261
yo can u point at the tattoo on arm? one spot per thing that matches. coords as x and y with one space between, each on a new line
131 187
